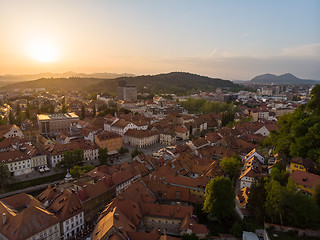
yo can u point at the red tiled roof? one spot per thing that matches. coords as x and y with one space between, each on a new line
305 178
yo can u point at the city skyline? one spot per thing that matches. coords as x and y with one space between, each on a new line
230 40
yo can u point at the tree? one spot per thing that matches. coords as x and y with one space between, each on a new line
219 199
112 104
123 150
103 156
236 230
18 109
71 159
83 112
51 109
64 105
2 121
88 167
192 236
298 134
231 166
314 103
76 172
28 111
316 194
11 119
135 152
4 175
94 111
256 200
227 117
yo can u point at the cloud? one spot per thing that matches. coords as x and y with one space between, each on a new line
308 50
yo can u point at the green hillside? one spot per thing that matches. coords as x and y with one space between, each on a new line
176 82
55 83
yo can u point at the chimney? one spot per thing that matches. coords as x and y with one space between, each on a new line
4 218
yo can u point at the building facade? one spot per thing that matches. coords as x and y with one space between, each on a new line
53 124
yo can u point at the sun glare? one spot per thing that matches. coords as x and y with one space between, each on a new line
43 51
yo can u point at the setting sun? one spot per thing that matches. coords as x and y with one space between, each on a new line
43 51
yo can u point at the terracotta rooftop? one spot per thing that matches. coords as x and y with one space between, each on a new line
27 223
140 133
305 178
25 216
107 135
66 205
115 219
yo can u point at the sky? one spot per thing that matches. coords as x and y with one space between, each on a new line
228 39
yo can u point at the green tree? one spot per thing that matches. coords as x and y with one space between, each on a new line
226 118
256 200
135 152
18 109
4 175
219 199
2 121
272 204
103 156
83 112
64 107
298 134
28 111
192 236
11 118
76 172
71 159
316 194
94 111
236 230
88 167
123 150
51 109
231 166
112 104
314 104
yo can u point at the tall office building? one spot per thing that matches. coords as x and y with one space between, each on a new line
126 91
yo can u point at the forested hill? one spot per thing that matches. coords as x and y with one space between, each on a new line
55 83
175 82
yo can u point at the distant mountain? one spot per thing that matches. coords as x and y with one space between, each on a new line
55 83
175 82
287 78
19 78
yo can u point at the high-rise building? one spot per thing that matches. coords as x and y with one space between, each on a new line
126 91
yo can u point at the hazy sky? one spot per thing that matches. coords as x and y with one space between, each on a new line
228 39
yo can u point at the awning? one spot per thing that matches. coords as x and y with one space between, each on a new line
113 152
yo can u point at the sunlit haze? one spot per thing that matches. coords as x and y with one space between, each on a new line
234 40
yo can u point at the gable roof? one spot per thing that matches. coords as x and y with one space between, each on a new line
24 220
305 178
66 205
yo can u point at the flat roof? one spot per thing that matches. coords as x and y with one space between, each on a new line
43 117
